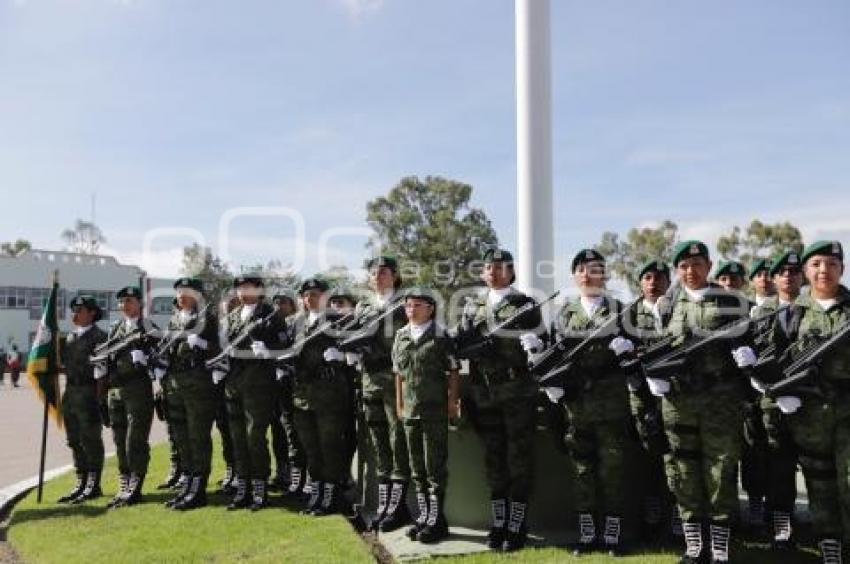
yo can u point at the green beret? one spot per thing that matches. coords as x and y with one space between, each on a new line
251 279
654 265
730 267
758 266
829 248
421 293
586 255
687 249
88 302
129 292
497 255
788 258
193 283
313 284
285 294
383 260
341 293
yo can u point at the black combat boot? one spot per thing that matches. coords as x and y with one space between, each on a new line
720 534
171 479
586 534
185 485
196 496
296 482
693 542
611 535
782 530
517 532
421 518
92 489
436 528
240 496
314 499
77 489
498 520
830 551
134 490
227 484
397 513
330 500
123 483
383 502
259 495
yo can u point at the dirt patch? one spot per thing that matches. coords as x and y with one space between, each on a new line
8 554
379 552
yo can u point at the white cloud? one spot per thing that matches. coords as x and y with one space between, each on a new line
358 8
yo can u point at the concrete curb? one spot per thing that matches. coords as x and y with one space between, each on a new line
10 494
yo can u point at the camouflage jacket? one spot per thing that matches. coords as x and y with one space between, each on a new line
180 355
572 322
318 384
377 361
121 368
74 352
268 333
423 366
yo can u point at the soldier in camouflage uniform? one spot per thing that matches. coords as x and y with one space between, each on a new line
342 302
819 423
320 396
596 405
192 402
786 273
250 390
502 399
427 395
702 406
130 397
227 484
79 402
386 433
647 320
283 429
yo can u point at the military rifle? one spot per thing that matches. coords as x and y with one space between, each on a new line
360 340
169 338
219 360
291 353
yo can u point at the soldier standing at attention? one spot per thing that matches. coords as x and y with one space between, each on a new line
819 424
79 402
702 407
130 397
192 401
320 396
503 397
760 278
427 396
730 275
250 390
386 433
282 426
342 302
227 484
781 484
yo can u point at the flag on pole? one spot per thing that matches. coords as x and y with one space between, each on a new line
42 363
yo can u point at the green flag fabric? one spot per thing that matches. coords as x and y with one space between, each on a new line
42 367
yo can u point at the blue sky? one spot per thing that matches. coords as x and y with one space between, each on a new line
173 112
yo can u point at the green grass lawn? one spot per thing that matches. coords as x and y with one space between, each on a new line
148 532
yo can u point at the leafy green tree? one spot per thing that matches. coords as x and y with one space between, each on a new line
14 248
200 262
759 240
624 256
429 225
84 237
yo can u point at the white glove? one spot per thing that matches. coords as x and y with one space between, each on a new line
99 371
657 386
531 343
196 342
139 357
260 350
159 373
333 354
157 387
758 385
788 404
744 356
283 372
352 358
218 376
621 345
554 394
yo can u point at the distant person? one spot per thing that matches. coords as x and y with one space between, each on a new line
2 366
13 361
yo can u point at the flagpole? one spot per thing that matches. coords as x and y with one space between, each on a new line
55 338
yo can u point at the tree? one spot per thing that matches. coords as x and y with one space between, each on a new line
624 257
429 226
84 238
760 240
275 273
14 248
200 262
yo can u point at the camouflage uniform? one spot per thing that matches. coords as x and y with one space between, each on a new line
320 394
820 428
80 408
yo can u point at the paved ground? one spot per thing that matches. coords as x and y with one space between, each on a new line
20 435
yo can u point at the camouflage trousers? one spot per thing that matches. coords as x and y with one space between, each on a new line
781 461
507 428
428 443
654 457
250 395
285 409
386 433
704 432
754 456
222 422
821 434
324 434
191 411
83 427
131 415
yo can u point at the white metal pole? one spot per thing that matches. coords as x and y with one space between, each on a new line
534 267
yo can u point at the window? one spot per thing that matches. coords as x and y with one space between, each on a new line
13 297
38 298
105 300
162 305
